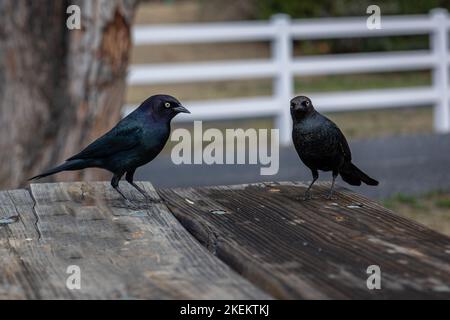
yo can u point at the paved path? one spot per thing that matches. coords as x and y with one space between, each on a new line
407 164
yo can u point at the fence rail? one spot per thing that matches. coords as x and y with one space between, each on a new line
282 66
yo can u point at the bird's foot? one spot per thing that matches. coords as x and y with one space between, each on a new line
330 196
130 205
125 204
307 196
148 198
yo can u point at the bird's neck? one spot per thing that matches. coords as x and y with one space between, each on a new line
299 116
159 118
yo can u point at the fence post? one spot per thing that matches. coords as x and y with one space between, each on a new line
283 86
439 47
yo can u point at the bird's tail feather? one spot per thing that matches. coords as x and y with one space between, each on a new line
77 164
354 176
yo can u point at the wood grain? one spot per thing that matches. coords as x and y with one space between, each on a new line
124 252
317 249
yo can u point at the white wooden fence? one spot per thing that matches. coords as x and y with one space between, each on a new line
283 66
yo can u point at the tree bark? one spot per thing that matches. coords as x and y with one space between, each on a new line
59 88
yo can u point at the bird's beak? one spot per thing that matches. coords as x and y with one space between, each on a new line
181 109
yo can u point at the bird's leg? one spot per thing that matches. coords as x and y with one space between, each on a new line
139 189
330 194
129 178
307 195
115 184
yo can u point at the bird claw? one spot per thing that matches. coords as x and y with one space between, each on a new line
151 200
148 198
331 197
130 205
307 196
143 193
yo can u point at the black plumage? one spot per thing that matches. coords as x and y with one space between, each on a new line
322 146
136 140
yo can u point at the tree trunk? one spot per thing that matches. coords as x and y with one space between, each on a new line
59 88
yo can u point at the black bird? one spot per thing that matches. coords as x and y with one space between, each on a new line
136 140
322 146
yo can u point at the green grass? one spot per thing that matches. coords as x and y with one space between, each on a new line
443 203
431 209
404 199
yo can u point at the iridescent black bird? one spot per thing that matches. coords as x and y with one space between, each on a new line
322 146
136 140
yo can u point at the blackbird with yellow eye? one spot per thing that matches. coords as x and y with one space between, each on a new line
136 140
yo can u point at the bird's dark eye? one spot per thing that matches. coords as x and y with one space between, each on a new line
292 104
167 104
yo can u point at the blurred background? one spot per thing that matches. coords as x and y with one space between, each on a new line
235 64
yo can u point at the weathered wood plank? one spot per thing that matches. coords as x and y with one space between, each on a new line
314 249
122 252
15 281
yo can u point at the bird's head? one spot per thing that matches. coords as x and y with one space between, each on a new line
163 106
300 106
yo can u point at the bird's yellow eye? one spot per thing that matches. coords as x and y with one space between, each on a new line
167 104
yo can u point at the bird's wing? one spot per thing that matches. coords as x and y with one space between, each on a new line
343 144
345 148
340 140
120 138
